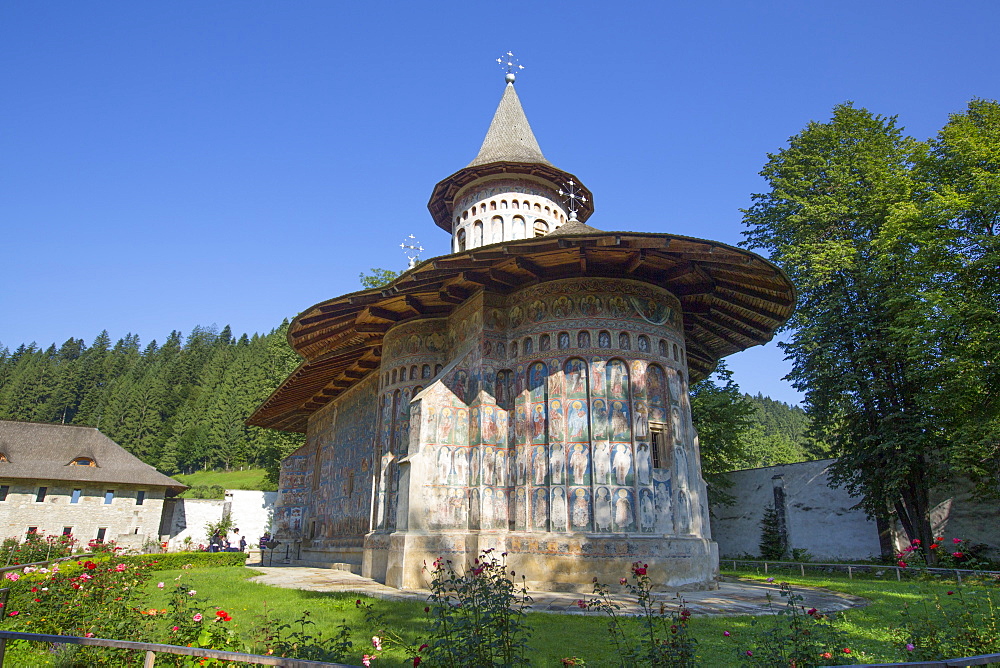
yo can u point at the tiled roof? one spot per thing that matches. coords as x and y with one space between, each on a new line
41 451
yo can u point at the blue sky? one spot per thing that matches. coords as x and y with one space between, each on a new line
165 165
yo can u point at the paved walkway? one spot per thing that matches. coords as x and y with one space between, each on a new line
733 597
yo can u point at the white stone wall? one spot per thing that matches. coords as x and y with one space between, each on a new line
823 520
820 518
251 510
125 522
504 210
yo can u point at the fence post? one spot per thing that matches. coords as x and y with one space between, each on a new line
958 576
765 568
150 659
850 573
802 567
898 576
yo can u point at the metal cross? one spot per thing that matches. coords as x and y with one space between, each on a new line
572 197
411 244
509 63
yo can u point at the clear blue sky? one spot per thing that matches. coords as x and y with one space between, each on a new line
165 165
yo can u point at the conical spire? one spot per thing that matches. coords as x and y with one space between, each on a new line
509 138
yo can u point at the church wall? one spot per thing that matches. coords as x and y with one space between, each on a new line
536 439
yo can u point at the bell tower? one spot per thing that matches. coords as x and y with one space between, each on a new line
509 191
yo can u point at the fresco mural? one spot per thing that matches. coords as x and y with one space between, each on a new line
544 424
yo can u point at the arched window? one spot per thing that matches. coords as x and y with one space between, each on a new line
604 339
3 457
477 234
563 340
538 207
663 348
461 241
417 390
513 350
541 228
643 343
528 346
515 205
624 342
394 376
482 208
83 461
544 343
493 205
547 211
497 224
458 220
413 372
677 354
518 231
465 215
583 339
503 204
426 371
437 369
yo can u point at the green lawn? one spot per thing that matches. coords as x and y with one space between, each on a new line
867 631
247 479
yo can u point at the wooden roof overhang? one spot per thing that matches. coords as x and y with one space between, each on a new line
731 299
442 200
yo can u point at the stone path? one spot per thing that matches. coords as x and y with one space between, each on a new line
733 597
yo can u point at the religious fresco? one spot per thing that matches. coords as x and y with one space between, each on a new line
555 437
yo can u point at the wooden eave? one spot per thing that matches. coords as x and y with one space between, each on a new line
442 199
731 299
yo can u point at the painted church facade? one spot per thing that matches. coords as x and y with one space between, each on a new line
527 393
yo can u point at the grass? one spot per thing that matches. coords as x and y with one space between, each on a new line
867 631
246 479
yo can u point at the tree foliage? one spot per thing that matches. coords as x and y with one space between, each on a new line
181 406
890 243
377 277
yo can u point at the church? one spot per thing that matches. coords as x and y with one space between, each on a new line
526 393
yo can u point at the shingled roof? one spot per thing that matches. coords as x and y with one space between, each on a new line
40 451
509 138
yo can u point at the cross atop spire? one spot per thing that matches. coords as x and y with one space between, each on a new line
509 62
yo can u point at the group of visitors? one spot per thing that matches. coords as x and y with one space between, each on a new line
234 541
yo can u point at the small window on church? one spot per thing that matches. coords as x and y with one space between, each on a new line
3 457
83 461
503 204
75 496
515 205
659 452
4 491
140 497
426 371
414 372
493 206
461 240
394 375
437 369
677 354
465 215
538 207
541 228
67 531
42 491
101 533
109 496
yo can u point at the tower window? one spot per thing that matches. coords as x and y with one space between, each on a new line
83 461
101 533
140 497
75 496
109 496
541 228
461 240
42 491
659 452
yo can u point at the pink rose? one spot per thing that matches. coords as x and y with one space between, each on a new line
197 617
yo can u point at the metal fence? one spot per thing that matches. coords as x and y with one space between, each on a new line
980 660
152 650
876 570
